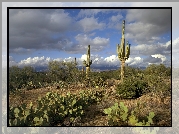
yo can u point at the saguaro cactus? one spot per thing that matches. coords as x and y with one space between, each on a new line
88 62
75 61
123 54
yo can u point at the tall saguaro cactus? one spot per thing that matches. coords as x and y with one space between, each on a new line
123 54
88 62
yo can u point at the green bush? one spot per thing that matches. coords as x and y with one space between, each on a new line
157 83
132 87
158 70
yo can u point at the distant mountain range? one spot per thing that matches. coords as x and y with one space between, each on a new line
94 69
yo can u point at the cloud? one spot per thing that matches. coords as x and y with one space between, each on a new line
152 59
162 57
135 61
112 58
94 12
12 62
41 20
88 12
116 18
141 32
36 29
35 62
83 40
32 30
21 51
159 48
115 21
144 26
97 61
174 6
90 24
151 17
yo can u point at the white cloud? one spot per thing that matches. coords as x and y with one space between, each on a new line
94 12
83 57
162 57
12 62
155 38
60 20
116 18
97 61
112 58
135 61
96 44
88 12
36 61
90 24
158 48
115 21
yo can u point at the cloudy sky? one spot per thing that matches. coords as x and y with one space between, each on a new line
37 36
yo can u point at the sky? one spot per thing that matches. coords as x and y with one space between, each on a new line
37 36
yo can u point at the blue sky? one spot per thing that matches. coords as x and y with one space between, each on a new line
41 35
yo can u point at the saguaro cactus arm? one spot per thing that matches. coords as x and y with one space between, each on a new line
88 62
127 51
119 51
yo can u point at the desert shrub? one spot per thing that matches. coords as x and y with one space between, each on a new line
26 77
106 74
156 83
20 76
158 70
129 71
64 71
132 87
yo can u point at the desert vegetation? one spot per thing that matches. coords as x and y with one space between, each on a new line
64 96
